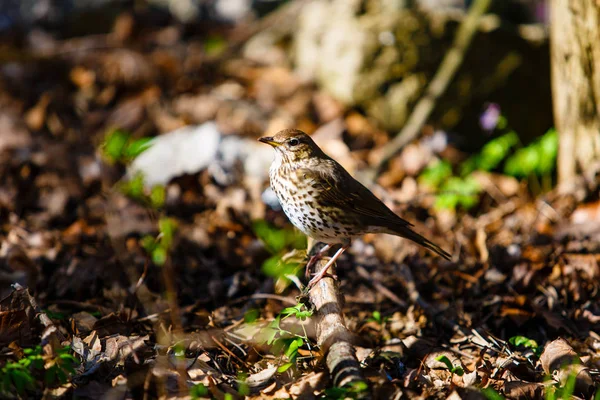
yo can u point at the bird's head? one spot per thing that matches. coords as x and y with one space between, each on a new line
293 145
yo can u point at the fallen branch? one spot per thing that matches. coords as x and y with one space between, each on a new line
333 337
438 85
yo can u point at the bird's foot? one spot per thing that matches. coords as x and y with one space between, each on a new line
318 277
310 263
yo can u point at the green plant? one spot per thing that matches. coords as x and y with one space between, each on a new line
243 388
119 147
135 189
458 192
556 391
214 45
278 242
283 341
527 343
158 247
454 369
537 160
491 394
435 174
491 154
353 390
453 191
19 375
377 318
199 391
534 161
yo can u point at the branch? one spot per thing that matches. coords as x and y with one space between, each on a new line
333 337
437 87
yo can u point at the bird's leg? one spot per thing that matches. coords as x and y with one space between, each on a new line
323 272
315 258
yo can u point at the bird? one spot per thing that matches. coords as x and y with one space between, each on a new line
325 202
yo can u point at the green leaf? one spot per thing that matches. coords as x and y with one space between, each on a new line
22 380
251 315
377 316
274 239
167 227
284 367
299 311
566 392
198 391
292 350
435 174
523 341
523 163
490 394
445 360
358 387
243 388
269 333
491 154
496 150
159 256
275 267
148 243
158 195
455 370
457 191
134 187
214 45
137 147
114 145
539 157
548 150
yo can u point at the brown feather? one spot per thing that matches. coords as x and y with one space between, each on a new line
339 189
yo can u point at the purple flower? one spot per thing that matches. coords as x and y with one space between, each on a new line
490 116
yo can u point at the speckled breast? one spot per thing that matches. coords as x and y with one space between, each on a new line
300 202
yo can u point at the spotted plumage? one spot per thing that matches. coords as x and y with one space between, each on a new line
323 200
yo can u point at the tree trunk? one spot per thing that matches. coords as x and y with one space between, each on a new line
575 53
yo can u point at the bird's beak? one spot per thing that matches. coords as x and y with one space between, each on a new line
269 140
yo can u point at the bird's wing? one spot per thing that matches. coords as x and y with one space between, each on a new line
337 188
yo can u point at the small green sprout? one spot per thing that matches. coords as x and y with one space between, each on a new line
455 370
354 390
158 247
527 343
119 147
198 391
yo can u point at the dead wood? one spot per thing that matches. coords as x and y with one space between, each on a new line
333 337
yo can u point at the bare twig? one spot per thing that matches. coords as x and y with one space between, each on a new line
447 70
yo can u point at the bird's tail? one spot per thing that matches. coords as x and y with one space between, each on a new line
408 233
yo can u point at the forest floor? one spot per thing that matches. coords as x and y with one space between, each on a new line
190 297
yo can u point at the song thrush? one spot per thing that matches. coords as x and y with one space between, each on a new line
325 202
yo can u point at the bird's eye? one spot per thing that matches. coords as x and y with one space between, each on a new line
293 142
